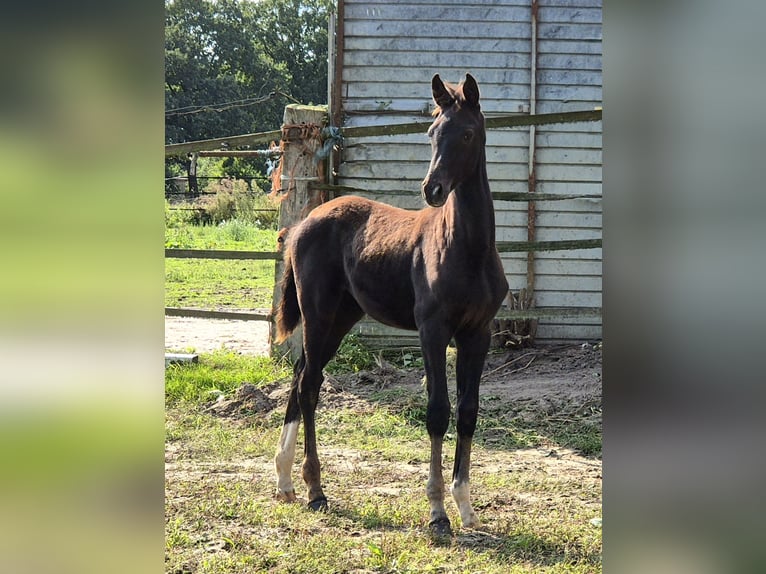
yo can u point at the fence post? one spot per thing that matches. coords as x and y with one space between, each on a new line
301 139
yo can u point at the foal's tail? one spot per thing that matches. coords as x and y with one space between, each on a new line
288 311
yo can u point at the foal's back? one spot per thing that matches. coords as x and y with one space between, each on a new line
368 248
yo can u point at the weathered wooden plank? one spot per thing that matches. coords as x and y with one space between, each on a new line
490 78
405 44
412 187
569 15
506 246
563 172
567 333
548 234
517 234
572 3
416 168
570 93
384 91
434 61
549 313
477 13
384 186
569 77
550 219
555 268
594 254
210 314
559 187
559 46
450 28
578 282
426 4
423 106
560 31
220 254
569 139
568 298
415 171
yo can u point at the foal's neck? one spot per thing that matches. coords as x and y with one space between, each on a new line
472 214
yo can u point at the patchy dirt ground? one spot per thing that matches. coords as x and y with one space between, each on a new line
540 504
545 378
207 335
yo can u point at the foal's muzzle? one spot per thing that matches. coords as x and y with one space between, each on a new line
434 193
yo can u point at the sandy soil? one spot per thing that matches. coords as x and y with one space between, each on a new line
207 335
544 380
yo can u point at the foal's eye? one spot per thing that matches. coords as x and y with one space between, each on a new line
467 136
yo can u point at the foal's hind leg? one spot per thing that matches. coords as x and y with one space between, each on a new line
283 461
321 341
472 350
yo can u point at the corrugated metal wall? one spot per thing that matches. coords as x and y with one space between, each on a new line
391 50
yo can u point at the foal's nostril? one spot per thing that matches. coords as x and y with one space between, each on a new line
433 193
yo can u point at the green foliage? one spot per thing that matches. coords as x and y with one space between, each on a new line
293 33
226 61
219 373
213 55
352 356
177 217
231 199
234 235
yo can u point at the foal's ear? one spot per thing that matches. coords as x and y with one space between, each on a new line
442 95
471 91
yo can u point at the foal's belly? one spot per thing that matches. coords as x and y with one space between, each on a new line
387 298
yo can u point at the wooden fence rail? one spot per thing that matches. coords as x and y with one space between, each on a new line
504 121
220 254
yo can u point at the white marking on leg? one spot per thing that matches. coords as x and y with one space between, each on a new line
283 461
461 494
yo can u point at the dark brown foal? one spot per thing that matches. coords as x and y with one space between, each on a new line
436 271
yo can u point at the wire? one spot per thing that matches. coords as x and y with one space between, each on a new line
224 106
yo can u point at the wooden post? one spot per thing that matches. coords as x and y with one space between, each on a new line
192 173
300 142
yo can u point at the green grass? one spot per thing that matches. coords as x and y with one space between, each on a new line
221 515
234 234
220 284
220 372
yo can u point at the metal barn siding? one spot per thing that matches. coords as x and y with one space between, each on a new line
389 53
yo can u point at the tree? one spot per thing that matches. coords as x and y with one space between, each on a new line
227 62
230 63
293 33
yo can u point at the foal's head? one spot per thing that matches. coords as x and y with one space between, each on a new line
457 138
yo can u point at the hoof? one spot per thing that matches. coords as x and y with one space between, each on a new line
440 530
288 496
471 521
318 504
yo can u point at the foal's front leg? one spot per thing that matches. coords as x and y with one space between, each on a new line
472 350
434 344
